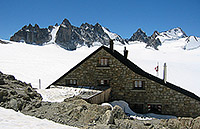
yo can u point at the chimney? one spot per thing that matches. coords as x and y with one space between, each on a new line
165 73
111 45
125 53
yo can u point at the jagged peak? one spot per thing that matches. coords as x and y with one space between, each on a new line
156 33
85 25
176 31
36 26
66 22
30 26
191 38
140 31
56 24
97 24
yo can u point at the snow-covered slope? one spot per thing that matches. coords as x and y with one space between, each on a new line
30 63
172 34
53 34
117 39
10 119
192 42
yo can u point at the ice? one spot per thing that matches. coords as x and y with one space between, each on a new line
15 120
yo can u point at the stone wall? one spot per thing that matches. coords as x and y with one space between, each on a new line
121 80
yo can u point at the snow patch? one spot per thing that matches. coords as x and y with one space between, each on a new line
125 107
53 34
110 34
192 42
15 120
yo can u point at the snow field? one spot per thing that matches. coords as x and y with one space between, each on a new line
10 119
30 63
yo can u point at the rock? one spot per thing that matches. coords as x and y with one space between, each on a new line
107 118
15 104
32 35
196 123
3 95
64 36
118 113
186 122
10 77
3 42
68 36
141 36
2 82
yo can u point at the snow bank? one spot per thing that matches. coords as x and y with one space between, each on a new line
192 43
58 94
125 107
15 120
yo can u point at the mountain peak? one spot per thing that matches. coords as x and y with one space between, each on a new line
172 34
66 22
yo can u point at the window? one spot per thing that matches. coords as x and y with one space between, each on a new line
103 82
103 62
139 85
139 108
155 108
71 82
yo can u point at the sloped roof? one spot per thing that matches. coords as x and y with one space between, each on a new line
135 69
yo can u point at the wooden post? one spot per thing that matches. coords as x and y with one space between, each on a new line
165 73
39 83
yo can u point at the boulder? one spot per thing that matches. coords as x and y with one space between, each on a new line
196 123
2 82
3 95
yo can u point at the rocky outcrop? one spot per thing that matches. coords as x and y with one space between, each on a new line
32 35
3 42
68 36
17 95
141 36
64 36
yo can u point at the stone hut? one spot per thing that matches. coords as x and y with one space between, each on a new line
144 92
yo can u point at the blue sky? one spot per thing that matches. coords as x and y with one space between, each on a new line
123 17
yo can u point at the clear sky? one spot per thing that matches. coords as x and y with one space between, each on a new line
123 17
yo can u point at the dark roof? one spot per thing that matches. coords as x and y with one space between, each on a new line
135 69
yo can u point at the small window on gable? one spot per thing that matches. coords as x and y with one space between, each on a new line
103 82
71 82
138 85
103 61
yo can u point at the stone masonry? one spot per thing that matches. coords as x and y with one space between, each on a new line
121 80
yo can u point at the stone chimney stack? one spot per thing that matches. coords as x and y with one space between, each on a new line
125 52
111 45
165 73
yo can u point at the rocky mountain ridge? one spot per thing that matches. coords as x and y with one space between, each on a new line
70 37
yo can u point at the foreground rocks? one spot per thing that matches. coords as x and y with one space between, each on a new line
20 96
17 95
